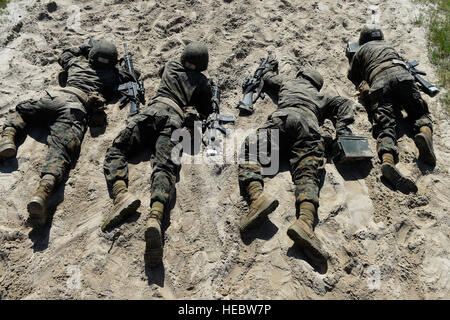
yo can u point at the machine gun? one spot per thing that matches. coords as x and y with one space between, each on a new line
132 91
425 86
253 86
213 124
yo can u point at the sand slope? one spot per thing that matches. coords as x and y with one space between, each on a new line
384 244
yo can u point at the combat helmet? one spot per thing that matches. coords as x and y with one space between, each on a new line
103 54
312 76
370 33
197 54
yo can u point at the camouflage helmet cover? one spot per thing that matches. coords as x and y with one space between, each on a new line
103 54
370 33
312 76
197 54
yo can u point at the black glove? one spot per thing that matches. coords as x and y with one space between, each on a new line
125 76
84 49
272 65
344 132
97 119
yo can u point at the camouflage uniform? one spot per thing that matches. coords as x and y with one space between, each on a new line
154 127
391 89
64 112
301 109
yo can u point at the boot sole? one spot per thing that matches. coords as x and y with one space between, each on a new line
268 207
36 211
302 240
154 247
7 151
426 153
127 208
401 183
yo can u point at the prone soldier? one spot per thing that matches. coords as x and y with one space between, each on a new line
92 76
182 84
301 108
386 85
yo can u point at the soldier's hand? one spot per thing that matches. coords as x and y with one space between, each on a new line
97 119
344 132
96 102
190 116
272 65
84 49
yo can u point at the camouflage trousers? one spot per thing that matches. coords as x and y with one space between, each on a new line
392 90
151 128
66 118
300 139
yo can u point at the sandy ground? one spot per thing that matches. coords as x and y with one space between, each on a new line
384 244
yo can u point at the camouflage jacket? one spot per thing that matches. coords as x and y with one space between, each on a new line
300 92
370 56
83 76
185 87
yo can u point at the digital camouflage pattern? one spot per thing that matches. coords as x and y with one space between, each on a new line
301 92
154 127
63 112
66 118
151 127
82 75
301 109
185 87
391 90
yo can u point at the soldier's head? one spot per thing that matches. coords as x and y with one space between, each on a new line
195 56
370 33
312 76
103 54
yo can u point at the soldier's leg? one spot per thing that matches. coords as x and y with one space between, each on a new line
116 170
63 145
163 179
418 111
25 112
306 161
250 177
385 130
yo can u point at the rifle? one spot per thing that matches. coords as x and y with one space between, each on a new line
132 91
253 86
425 86
213 124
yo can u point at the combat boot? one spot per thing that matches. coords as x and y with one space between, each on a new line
301 232
153 236
391 173
8 148
37 207
424 142
261 205
124 205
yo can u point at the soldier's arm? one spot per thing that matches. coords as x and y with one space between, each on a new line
161 70
354 71
272 84
204 94
341 112
68 56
